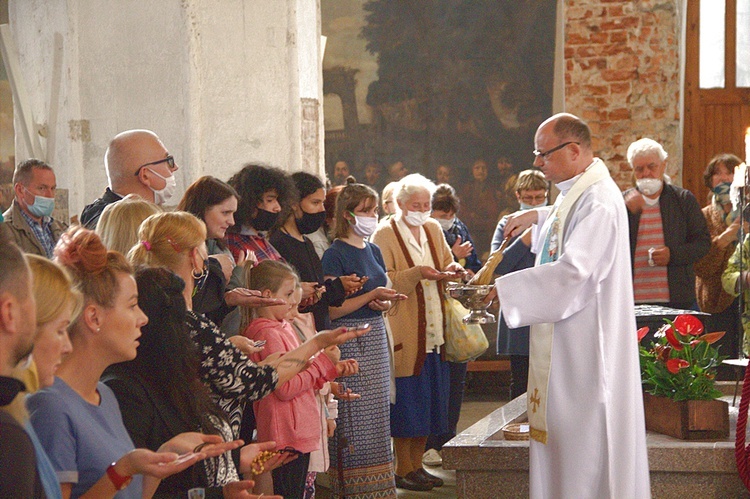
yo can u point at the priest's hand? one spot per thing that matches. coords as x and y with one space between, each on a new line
490 296
520 221
661 256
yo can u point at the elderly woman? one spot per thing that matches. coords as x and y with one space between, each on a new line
723 225
417 261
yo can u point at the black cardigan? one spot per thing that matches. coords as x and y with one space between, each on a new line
685 234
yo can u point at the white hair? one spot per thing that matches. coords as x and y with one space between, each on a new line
645 146
411 184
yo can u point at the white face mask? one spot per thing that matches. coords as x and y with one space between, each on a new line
649 186
416 218
364 226
161 196
524 206
446 224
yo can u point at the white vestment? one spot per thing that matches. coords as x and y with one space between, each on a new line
596 443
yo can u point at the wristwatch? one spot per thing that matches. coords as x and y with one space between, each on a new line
119 481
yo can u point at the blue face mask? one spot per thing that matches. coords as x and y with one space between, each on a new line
42 206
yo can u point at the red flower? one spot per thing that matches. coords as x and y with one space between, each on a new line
672 338
642 332
688 325
674 365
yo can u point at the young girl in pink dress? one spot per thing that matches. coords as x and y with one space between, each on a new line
290 415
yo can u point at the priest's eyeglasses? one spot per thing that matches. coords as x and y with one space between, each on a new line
545 155
169 160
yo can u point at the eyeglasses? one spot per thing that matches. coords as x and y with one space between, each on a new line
545 155
169 160
534 199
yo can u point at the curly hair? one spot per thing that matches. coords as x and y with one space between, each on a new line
251 182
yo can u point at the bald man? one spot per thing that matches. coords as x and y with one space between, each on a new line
585 403
137 163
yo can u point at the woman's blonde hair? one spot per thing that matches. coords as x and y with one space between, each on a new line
347 201
163 239
268 274
53 290
119 222
531 180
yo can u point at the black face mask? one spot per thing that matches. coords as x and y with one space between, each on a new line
310 222
264 220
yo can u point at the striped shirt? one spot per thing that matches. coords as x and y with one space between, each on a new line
650 284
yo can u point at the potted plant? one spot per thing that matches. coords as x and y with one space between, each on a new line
677 372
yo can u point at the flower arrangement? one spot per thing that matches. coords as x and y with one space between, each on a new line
681 364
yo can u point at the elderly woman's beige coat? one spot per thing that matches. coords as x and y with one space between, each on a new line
407 318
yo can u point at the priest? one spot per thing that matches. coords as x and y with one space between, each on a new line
584 398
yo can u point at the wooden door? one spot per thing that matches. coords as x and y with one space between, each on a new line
717 112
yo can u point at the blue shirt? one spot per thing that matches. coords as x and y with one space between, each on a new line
43 232
344 259
81 439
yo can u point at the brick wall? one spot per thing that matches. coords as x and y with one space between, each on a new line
622 75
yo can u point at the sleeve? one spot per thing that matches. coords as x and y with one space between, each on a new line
335 293
137 411
228 371
56 433
17 460
534 295
332 262
319 371
732 272
697 240
404 281
497 238
713 262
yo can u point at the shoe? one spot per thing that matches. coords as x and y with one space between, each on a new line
416 476
405 482
429 477
432 458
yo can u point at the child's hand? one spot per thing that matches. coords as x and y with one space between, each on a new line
340 392
347 367
334 355
331 424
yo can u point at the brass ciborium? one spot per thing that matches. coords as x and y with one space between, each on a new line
472 297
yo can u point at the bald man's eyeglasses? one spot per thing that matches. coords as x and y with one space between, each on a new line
169 160
545 155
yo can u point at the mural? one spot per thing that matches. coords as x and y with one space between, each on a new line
7 135
458 83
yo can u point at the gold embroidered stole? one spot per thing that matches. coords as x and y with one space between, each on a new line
540 339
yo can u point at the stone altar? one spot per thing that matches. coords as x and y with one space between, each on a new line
487 466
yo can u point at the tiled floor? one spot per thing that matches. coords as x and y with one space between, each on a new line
483 396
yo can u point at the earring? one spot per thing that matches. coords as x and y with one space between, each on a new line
200 275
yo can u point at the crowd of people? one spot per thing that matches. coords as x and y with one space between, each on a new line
274 326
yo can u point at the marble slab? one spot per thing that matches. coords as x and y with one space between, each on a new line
488 466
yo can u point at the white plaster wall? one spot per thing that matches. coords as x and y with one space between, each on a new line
217 80
48 37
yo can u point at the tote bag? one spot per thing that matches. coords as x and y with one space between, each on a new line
463 342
